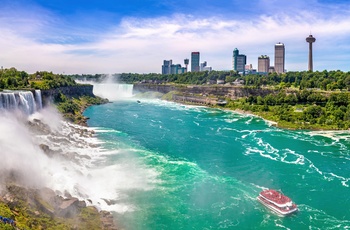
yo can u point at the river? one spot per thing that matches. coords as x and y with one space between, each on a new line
189 167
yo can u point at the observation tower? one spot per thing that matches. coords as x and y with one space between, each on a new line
310 40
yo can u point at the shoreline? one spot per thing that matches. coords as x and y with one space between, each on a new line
240 111
271 122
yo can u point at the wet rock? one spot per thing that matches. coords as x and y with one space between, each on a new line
107 221
69 208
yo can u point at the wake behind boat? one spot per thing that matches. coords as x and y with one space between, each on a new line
277 202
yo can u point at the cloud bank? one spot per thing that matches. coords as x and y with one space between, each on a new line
44 40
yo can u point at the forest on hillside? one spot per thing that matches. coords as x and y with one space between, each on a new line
303 99
14 79
325 80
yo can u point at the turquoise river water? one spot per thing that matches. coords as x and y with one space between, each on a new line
193 167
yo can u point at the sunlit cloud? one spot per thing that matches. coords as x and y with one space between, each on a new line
47 42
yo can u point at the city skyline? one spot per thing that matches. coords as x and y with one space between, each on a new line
105 37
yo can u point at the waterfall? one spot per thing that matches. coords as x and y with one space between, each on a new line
109 88
26 102
113 91
20 100
38 99
8 101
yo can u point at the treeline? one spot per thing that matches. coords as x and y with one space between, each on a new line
301 109
325 80
14 79
195 78
91 77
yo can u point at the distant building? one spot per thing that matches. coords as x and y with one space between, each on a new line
263 64
248 67
169 68
271 69
177 69
166 67
186 62
195 62
207 68
202 66
238 61
238 82
279 58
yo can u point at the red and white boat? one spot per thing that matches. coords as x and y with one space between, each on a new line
277 202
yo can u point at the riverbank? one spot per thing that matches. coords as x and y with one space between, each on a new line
296 117
72 109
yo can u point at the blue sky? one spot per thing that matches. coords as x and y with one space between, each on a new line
110 36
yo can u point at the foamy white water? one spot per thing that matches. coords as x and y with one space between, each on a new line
69 161
110 89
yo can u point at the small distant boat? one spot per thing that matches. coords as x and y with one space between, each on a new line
277 202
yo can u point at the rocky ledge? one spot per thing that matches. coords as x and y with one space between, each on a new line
43 208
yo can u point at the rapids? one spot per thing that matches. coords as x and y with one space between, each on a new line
187 167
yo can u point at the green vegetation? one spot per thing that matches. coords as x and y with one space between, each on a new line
307 100
304 109
27 216
73 108
325 80
195 78
14 79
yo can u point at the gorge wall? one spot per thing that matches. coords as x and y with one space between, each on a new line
232 92
69 91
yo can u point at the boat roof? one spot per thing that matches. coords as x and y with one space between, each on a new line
275 196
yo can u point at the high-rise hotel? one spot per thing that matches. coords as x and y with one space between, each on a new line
279 58
195 62
238 61
263 64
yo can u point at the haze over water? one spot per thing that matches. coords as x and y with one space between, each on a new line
192 167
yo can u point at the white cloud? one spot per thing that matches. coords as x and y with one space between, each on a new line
140 45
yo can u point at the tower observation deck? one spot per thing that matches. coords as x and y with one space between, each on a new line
310 40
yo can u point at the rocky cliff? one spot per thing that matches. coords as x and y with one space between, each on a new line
232 92
69 91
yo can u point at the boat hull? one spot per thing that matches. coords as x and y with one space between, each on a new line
275 209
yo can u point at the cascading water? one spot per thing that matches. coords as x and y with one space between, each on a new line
8 101
109 88
26 102
113 91
23 101
38 99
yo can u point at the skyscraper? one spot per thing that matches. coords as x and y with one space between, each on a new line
263 64
195 62
310 40
279 57
238 61
166 67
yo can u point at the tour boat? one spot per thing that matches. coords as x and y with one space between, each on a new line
277 202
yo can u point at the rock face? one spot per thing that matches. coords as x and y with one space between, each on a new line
232 92
45 201
69 91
